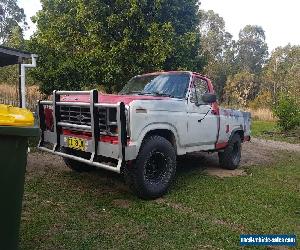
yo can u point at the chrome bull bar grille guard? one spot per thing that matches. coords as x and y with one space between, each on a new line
92 126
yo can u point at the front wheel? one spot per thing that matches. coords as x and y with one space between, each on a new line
154 169
76 165
231 156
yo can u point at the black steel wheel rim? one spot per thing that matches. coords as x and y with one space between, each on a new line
157 167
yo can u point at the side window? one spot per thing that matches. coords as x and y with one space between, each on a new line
199 88
193 97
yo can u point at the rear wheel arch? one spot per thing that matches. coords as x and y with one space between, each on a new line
238 131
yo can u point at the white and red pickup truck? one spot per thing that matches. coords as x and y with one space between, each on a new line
141 131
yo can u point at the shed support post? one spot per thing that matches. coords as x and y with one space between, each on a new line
20 82
23 72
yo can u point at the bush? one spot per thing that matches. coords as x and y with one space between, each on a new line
287 111
263 100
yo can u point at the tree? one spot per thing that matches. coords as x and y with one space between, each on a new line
214 38
15 39
217 47
11 18
241 88
282 72
88 43
252 49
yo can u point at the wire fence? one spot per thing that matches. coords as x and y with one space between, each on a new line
9 95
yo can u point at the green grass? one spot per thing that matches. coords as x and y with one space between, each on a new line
269 130
67 210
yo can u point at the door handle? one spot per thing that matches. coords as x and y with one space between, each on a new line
204 116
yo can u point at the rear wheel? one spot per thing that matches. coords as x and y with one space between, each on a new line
231 156
76 165
154 169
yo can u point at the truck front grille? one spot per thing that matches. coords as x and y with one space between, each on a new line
82 116
75 115
108 121
103 119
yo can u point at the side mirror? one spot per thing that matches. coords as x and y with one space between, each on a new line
209 98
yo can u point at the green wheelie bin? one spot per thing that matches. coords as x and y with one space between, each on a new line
16 126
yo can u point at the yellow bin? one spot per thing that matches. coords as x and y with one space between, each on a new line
12 116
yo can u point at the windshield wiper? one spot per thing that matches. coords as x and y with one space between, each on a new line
131 92
156 93
162 94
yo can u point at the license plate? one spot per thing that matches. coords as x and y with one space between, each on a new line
76 143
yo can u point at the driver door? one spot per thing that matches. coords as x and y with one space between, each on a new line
202 124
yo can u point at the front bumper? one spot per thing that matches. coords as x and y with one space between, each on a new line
121 151
105 149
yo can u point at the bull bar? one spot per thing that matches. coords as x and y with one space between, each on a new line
56 138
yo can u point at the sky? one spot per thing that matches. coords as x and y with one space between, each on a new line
30 7
279 19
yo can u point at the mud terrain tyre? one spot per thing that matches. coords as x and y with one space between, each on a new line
231 156
154 169
76 165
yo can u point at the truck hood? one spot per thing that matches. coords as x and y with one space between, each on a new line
111 99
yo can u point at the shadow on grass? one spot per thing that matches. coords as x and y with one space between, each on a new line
196 162
103 182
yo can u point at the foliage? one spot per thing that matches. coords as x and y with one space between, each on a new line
269 130
10 74
263 114
12 23
263 100
15 38
9 94
11 17
214 39
288 112
241 88
83 43
217 47
282 72
252 49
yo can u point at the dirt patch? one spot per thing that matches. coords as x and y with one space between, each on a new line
122 203
222 173
187 210
176 206
233 226
256 152
277 144
40 161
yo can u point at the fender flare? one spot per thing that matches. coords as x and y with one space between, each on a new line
234 131
157 126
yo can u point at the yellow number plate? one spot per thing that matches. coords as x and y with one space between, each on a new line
76 143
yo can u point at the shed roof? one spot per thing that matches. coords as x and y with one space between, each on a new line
10 56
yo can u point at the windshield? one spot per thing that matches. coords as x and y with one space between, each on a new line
165 84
